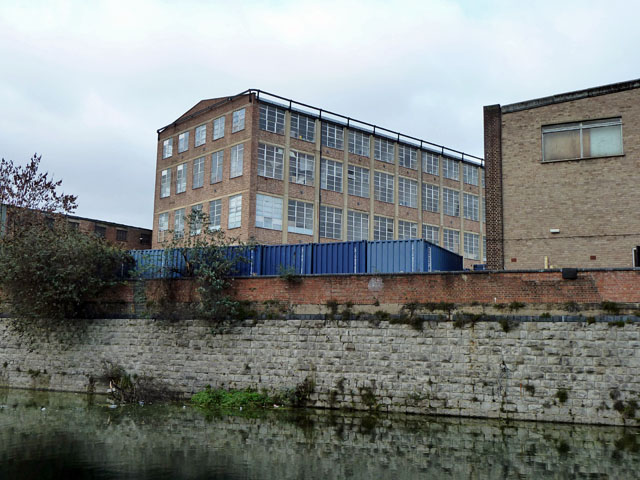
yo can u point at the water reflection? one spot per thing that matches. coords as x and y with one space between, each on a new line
53 436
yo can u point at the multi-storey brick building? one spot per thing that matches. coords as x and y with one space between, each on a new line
264 167
562 179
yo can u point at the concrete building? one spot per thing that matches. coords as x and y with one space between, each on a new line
279 171
562 179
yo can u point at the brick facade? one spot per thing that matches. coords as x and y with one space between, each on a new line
493 169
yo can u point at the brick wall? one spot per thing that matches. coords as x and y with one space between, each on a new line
493 173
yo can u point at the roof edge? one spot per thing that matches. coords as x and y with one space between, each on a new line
570 96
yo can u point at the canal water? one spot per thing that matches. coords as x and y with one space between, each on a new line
73 436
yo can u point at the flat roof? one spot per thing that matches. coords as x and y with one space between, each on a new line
571 96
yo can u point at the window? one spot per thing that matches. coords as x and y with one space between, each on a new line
167 148
358 181
331 175
218 128
216 166
301 168
198 172
359 143
195 225
430 197
482 176
300 217
303 127
330 222
451 240
181 178
237 120
270 161
145 238
74 225
100 231
201 135
383 150
407 230
183 142
431 234
268 212
332 136
178 223
451 169
470 174
471 246
271 118
383 187
430 163
215 214
451 202
357 226
471 209
121 235
573 141
407 192
407 157
237 154
235 211
163 226
382 228
165 183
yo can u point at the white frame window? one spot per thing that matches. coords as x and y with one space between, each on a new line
302 127
268 212
451 240
201 135
163 226
181 178
407 230
167 148
218 128
431 233
195 220
198 173
358 181
237 160
579 140
430 163
183 142
407 157
382 228
217 163
270 161
300 217
407 192
472 245
383 187
359 143
430 197
383 150
470 174
235 212
451 202
302 167
237 120
165 183
330 222
215 214
271 119
470 204
331 175
357 226
450 168
332 136
178 223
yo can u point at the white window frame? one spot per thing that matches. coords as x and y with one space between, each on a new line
332 135
330 222
358 181
408 157
431 233
430 197
235 212
384 150
471 245
167 148
331 175
217 166
183 142
407 230
270 161
382 228
470 174
450 168
357 226
271 119
196 220
383 187
302 127
451 202
218 127
300 217
163 226
302 168
268 212
201 135
237 161
451 240
471 206
181 178
178 223
359 143
215 214
165 183
237 120
430 163
198 173
407 192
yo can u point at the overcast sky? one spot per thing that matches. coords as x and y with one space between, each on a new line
87 83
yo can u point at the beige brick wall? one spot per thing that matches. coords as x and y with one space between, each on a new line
594 202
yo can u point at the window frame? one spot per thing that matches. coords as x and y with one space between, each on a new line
167 148
198 173
357 185
215 214
327 164
306 210
336 230
308 133
581 126
454 206
445 233
412 227
183 142
234 212
470 174
468 241
236 165
332 135
386 154
407 192
431 228
355 223
270 161
179 217
430 163
165 183
200 137
382 192
451 168
238 120
377 225
296 161
471 206
268 212
217 161
432 200
218 127
359 143
182 171
272 119
407 156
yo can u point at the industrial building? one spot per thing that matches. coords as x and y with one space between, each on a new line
271 169
562 180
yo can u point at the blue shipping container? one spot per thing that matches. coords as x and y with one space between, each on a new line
274 259
339 257
158 263
397 256
442 260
